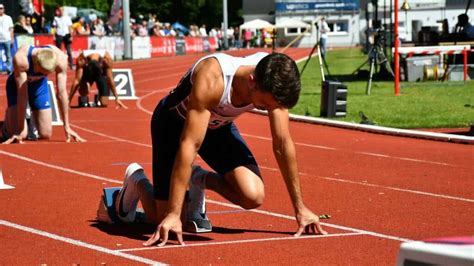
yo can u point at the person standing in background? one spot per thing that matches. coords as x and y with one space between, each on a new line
6 37
63 25
323 29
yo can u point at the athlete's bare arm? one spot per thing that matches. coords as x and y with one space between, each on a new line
205 94
20 67
80 63
285 154
61 79
108 64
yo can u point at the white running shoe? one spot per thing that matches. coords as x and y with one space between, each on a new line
127 199
196 218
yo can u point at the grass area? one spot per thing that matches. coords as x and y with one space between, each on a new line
420 104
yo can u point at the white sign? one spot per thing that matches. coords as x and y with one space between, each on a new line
124 84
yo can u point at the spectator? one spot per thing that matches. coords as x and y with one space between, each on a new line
20 26
80 27
237 43
156 30
28 26
169 30
247 38
63 29
202 30
6 37
151 21
143 28
97 28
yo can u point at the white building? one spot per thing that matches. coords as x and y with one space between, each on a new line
348 19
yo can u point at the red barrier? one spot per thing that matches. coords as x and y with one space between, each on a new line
212 44
162 46
194 45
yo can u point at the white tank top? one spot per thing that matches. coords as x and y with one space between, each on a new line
225 112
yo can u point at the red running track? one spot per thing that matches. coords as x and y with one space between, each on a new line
380 190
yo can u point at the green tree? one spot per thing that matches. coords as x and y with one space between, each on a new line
187 12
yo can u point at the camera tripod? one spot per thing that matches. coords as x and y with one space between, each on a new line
376 56
321 59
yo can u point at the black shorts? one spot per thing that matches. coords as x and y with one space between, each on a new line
101 82
223 149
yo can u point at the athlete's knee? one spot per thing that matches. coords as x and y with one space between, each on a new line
252 199
45 133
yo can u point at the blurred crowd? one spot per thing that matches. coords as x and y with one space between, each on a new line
142 25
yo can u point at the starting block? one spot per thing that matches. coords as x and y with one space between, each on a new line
444 251
106 212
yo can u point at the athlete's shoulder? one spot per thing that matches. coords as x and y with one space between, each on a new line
208 67
20 60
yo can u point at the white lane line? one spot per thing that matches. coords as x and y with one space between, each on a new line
57 167
139 101
403 158
399 189
232 242
296 143
380 186
207 200
111 137
351 229
80 243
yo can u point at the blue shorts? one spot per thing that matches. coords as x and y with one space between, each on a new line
38 93
223 149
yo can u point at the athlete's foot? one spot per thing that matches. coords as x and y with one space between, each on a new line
128 196
196 218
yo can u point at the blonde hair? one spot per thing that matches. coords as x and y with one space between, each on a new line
47 59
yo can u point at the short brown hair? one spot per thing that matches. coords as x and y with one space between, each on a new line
278 74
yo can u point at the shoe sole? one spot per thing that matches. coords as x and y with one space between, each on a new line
198 226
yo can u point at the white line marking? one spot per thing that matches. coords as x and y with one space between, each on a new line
139 102
242 241
80 243
296 143
111 137
208 200
399 189
403 158
57 167
325 224
380 186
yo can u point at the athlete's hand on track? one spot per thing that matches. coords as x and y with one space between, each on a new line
308 220
71 135
119 104
171 223
14 138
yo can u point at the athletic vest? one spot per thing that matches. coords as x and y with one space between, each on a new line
225 112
